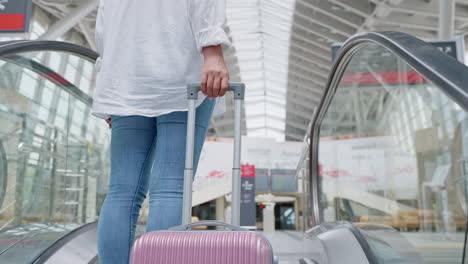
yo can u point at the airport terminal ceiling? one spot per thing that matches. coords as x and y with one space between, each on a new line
281 48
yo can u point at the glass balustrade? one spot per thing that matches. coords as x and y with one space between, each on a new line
392 153
53 154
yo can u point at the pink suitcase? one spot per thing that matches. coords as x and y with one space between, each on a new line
182 245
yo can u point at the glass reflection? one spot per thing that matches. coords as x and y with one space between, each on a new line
391 152
55 153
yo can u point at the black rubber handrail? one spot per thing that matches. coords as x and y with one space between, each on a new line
15 47
50 75
447 73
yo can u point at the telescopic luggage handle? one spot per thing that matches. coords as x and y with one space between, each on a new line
192 95
237 88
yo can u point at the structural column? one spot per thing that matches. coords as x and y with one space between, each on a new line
220 208
269 217
446 19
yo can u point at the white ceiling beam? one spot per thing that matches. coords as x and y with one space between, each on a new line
62 26
324 65
405 20
313 43
309 91
425 8
299 121
308 64
322 78
307 94
319 79
423 34
328 9
300 48
296 124
317 18
88 35
362 8
305 81
311 31
299 116
294 136
301 100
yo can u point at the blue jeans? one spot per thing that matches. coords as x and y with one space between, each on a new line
147 154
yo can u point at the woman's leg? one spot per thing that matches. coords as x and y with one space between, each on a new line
131 145
167 172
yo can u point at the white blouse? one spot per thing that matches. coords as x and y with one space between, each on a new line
149 51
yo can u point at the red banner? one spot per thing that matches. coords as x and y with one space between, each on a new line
247 171
11 22
382 78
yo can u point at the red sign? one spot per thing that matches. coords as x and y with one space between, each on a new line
15 15
11 22
382 77
247 171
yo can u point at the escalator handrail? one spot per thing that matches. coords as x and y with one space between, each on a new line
15 47
12 48
50 75
437 67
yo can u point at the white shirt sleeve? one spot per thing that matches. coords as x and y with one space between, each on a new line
207 19
99 34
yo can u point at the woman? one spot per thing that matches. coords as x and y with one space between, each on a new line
150 50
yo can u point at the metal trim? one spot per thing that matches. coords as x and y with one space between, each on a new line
4 171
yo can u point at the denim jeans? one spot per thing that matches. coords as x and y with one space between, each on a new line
147 154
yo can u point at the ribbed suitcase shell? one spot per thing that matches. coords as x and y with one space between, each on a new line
207 247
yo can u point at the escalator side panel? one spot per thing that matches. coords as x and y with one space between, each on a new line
79 246
342 247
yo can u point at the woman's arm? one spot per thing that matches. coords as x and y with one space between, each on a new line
207 18
215 76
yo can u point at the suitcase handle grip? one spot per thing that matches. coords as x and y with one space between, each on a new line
237 88
207 223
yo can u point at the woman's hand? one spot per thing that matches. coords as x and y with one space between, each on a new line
215 77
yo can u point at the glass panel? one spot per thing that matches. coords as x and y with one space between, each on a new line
390 152
283 180
261 180
72 68
53 153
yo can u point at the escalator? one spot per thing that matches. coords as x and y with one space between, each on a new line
388 148
387 177
53 153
